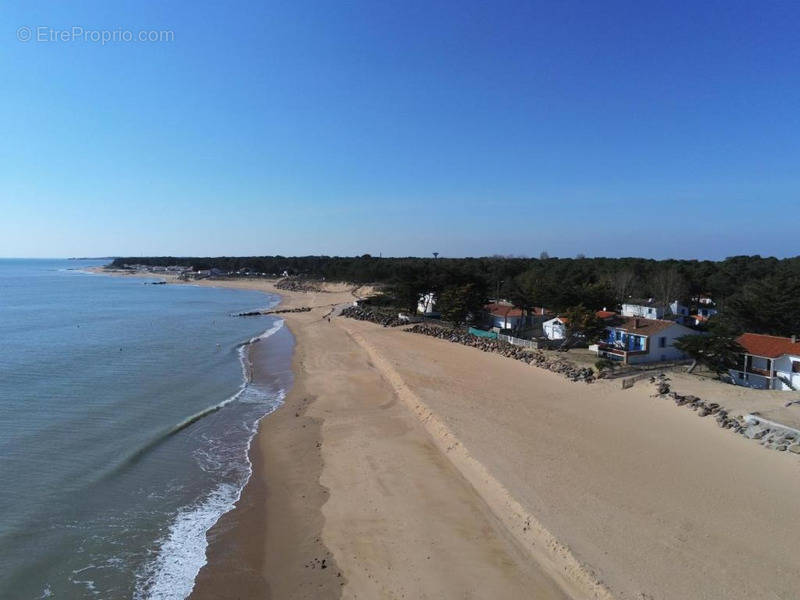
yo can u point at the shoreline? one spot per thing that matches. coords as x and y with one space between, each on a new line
240 561
277 523
610 493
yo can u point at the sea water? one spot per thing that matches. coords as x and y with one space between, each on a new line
126 414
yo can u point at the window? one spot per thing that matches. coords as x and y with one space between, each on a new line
796 366
662 342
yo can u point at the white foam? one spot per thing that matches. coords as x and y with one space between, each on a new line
275 327
171 575
244 354
183 552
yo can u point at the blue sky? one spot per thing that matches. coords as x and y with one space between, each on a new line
604 128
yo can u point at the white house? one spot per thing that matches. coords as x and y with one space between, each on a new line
650 309
507 316
679 310
555 329
770 362
633 340
647 309
427 305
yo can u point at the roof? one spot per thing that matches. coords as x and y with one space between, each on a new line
507 310
503 310
645 326
643 302
601 314
769 346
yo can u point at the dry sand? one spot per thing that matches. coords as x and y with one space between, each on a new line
345 472
657 502
445 472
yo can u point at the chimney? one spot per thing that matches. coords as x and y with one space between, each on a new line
636 323
794 339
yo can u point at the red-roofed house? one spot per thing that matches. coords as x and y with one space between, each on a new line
770 363
508 316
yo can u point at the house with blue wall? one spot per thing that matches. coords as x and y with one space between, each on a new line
633 340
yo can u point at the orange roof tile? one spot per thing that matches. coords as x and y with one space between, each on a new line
769 346
503 310
507 310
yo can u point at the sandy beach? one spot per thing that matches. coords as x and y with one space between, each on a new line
342 428
418 468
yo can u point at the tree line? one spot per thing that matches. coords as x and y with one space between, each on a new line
753 293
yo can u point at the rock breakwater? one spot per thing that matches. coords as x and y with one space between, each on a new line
535 358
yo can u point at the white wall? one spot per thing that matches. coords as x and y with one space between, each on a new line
504 323
655 353
637 310
783 365
554 329
679 309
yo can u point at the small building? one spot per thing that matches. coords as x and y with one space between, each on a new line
651 309
555 329
769 363
504 315
634 340
679 310
647 309
427 305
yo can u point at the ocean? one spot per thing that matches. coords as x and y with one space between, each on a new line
126 414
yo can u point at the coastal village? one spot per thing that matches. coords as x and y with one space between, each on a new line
400 301
638 332
639 427
638 339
